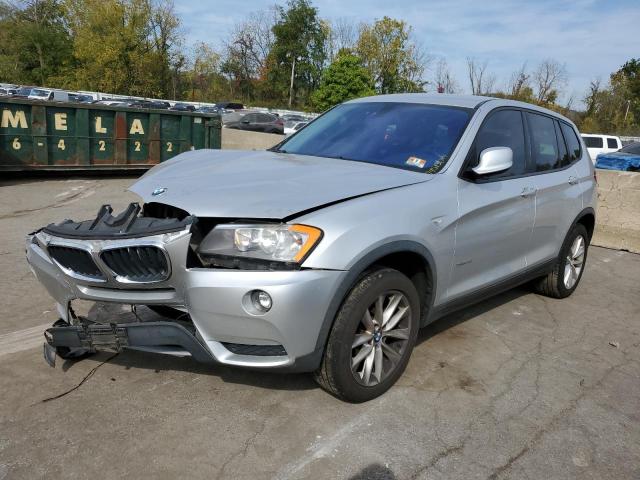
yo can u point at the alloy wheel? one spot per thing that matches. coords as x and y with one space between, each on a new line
574 262
381 338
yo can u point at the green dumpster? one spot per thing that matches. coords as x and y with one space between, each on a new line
61 136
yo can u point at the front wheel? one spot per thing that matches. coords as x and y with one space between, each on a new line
372 338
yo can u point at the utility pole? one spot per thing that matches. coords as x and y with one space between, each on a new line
293 70
627 112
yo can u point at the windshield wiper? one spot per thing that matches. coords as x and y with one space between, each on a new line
276 150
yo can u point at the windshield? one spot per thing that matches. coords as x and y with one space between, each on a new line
403 135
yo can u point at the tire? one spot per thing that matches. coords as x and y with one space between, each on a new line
386 351
554 284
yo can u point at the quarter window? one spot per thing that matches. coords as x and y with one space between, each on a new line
544 146
563 155
573 145
612 143
503 128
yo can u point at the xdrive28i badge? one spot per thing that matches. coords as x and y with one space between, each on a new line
159 191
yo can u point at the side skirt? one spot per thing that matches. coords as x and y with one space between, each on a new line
512 281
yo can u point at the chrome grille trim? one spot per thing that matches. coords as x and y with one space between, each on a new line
76 262
137 263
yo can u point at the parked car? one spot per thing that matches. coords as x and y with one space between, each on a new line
291 127
627 159
149 104
208 110
8 91
327 253
80 98
23 92
294 118
230 105
183 107
259 122
597 144
107 101
48 95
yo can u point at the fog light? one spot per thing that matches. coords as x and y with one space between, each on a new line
261 300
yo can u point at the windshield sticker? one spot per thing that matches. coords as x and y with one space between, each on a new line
416 162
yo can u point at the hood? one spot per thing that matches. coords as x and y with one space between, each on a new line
263 184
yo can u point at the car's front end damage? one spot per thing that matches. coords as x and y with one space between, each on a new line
266 314
218 243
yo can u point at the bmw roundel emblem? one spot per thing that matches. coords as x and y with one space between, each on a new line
159 191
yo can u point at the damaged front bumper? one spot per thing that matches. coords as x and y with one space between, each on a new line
226 329
145 335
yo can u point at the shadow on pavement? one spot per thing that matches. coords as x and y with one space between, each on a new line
375 471
265 379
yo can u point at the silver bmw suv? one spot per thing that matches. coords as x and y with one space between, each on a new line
328 252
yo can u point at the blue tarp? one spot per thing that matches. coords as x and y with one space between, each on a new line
618 161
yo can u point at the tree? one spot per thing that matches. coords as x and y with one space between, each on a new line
247 51
520 85
549 78
35 45
481 81
444 80
343 35
629 75
344 79
394 61
298 54
205 80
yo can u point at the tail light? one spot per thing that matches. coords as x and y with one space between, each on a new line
595 176
279 121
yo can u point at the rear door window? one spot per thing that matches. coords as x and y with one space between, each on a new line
612 143
573 144
503 128
544 146
593 142
264 118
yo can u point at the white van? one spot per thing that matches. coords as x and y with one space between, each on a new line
597 144
48 95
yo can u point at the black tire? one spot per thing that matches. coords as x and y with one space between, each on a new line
335 375
553 285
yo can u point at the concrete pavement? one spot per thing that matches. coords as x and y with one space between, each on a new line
519 386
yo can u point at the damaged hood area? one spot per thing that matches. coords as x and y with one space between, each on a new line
263 184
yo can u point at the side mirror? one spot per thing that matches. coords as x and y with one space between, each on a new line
493 160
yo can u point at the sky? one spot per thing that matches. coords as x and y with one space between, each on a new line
591 37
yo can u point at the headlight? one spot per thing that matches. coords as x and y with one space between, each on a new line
279 243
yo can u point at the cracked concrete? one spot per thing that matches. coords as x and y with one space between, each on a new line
519 386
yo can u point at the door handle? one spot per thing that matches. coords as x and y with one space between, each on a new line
528 191
573 180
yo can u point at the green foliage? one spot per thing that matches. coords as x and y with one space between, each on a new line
35 46
123 46
392 59
616 108
300 37
344 79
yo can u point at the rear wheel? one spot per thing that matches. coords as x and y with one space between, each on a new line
567 272
372 338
